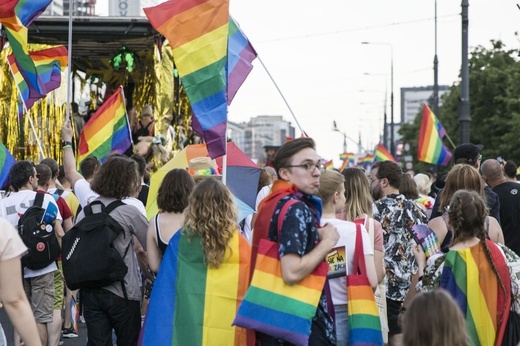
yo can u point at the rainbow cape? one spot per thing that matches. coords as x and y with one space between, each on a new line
16 16
106 131
469 278
193 304
49 65
240 56
198 32
6 162
382 154
430 147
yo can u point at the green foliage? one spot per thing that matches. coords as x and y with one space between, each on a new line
494 82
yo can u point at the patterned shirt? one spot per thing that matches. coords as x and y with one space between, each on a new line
396 215
299 235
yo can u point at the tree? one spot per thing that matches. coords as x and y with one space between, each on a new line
494 82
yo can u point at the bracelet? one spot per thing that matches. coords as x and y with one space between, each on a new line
66 144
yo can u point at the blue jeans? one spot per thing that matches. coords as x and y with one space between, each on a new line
105 311
341 312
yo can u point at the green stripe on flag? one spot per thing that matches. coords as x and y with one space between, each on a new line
206 81
280 303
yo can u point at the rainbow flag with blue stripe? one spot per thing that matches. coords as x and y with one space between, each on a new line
198 32
106 131
469 278
430 147
194 304
16 16
6 162
49 65
240 56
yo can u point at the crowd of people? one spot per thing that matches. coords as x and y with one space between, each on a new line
187 269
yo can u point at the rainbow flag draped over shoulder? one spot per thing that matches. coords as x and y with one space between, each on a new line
240 56
49 65
430 146
194 304
382 154
106 131
469 278
198 32
16 15
6 162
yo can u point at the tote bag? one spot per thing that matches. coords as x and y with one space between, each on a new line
363 314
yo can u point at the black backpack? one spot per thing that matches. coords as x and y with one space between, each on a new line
38 235
90 259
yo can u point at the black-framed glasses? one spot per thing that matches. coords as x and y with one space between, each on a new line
310 167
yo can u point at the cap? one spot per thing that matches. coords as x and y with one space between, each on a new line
467 151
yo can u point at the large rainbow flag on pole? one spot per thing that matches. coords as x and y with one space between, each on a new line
6 162
49 65
430 147
382 154
240 56
194 304
198 32
107 130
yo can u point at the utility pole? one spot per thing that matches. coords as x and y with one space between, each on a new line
436 72
464 111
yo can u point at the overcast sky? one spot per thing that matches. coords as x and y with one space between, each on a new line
313 51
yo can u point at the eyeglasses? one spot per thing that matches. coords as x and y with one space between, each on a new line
310 167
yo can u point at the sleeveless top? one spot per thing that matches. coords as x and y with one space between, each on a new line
449 234
160 243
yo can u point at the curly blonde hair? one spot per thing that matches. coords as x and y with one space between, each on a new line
211 214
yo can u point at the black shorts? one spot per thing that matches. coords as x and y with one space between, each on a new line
393 307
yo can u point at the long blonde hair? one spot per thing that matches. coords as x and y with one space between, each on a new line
211 213
357 193
330 182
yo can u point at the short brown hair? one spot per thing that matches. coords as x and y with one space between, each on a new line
290 148
53 165
391 171
45 174
174 191
409 187
117 178
89 166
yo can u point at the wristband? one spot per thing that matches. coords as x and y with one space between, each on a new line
66 144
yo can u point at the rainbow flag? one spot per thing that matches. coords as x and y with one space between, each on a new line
343 165
198 32
343 156
240 56
430 147
194 304
15 16
329 164
74 314
382 154
469 278
49 65
107 130
6 162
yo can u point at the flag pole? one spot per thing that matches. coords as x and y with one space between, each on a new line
224 160
69 67
280 92
451 142
42 155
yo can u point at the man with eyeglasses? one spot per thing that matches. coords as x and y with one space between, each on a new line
38 284
303 244
469 154
396 215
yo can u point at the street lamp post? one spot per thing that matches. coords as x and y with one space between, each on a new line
335 128
392 144
385 130
464 111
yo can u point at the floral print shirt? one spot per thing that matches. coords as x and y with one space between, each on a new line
397 215
299 235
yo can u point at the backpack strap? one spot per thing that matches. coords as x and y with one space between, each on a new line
38 200
59 192
112 206
283 211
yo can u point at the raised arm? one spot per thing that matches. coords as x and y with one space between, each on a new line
69 161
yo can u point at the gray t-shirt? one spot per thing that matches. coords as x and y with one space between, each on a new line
134 223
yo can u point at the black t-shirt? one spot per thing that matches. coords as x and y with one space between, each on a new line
509 195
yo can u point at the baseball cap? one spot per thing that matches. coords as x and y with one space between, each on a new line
468 151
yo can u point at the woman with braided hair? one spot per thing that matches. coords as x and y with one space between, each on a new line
474 271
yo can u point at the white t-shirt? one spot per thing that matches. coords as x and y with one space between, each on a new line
136 203
11 245
84 193
343 253
15 205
